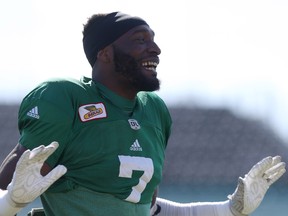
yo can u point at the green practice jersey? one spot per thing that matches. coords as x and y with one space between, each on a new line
110 145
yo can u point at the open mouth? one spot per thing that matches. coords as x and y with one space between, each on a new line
150 65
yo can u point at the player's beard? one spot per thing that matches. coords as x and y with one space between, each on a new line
131 70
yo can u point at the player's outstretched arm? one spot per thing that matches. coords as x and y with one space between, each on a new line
252 188
247 197
27 183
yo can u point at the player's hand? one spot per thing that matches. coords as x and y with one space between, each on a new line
251 190
27 183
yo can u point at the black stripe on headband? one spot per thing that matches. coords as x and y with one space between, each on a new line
101 33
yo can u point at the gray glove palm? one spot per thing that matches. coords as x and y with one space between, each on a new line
252 188
27 183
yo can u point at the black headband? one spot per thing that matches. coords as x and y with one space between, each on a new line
110 28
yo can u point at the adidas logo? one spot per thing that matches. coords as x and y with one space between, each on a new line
136 146
34 113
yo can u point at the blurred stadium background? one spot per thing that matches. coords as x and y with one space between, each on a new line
208 150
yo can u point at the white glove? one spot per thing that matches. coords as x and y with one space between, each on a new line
27 182
252 189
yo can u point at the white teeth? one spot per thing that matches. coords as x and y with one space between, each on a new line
150 68
149 63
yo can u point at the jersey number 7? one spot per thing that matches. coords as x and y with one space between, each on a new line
130 163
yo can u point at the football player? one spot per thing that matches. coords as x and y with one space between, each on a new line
112 131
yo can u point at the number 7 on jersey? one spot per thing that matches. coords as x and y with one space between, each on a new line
130 163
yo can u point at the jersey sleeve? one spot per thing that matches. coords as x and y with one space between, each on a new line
166 119
45 115
160 110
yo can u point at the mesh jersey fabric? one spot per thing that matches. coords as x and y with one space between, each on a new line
109 144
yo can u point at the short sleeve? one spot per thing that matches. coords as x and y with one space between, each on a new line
46 115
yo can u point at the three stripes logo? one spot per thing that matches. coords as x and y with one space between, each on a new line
34 113
136 146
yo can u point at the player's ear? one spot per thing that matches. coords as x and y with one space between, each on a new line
106 54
